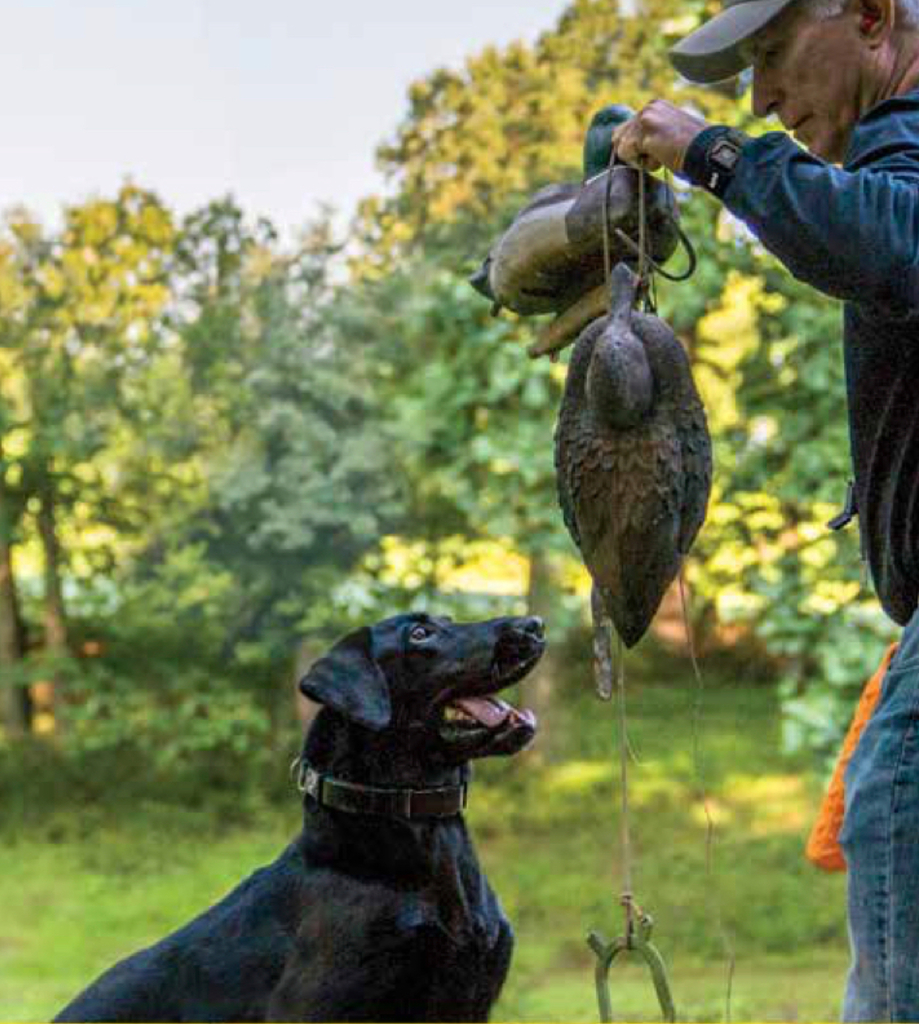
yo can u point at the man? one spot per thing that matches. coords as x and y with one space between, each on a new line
843 77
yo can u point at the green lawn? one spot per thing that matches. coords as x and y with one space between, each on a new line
85 886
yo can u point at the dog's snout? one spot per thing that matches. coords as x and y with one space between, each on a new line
535 626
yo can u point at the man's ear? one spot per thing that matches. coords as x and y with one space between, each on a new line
349 681
876 20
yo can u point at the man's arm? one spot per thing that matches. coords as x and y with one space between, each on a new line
853 234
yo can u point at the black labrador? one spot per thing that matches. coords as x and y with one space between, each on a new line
379 910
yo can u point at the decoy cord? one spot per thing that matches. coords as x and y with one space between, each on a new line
646 289
714 891
624 746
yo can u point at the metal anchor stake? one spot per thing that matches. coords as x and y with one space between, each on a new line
636 940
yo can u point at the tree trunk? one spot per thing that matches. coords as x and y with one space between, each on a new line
15 704
55 618
539 687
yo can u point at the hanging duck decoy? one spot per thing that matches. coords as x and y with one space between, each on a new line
633 460
633 455
550 259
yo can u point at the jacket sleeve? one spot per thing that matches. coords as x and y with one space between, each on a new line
851 233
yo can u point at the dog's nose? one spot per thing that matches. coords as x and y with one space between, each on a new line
534 625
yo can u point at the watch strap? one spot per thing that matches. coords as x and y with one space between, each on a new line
704 163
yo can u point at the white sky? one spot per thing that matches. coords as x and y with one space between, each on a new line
280 102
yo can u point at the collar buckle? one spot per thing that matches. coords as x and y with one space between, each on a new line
309 781
312 784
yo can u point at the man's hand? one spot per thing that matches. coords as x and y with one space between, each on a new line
658 136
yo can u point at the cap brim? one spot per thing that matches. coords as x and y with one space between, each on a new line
712 52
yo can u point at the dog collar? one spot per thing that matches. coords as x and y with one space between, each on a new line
442 802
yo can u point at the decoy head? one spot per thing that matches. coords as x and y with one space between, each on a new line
623 285
620 384
598 143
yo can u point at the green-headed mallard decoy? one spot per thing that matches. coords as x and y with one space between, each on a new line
550 259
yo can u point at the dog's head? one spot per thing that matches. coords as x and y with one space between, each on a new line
434 680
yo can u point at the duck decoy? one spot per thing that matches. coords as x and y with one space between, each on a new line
598 142
633 461
551 257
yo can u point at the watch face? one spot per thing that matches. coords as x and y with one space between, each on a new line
725 154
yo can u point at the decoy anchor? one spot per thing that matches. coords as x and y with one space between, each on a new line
637 939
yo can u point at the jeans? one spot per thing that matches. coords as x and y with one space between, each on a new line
880 840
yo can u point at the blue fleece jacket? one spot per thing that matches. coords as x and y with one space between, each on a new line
853 233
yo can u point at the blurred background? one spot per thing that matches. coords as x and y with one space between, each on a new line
248 401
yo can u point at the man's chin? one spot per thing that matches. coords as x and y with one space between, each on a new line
823 151
831 150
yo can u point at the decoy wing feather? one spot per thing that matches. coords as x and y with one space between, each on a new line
679 404
573 430
697 475
563 488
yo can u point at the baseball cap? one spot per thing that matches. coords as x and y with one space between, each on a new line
713 51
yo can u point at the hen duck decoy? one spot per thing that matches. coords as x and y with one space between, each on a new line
633 461
550 259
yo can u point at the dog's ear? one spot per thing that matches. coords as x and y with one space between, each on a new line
349 681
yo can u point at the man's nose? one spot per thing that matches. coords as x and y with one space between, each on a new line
766 94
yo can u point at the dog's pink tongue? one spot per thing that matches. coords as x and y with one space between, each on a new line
487 711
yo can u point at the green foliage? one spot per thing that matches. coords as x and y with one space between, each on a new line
80 317
299 477
472 419
215 459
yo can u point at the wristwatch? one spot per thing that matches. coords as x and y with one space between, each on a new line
712 158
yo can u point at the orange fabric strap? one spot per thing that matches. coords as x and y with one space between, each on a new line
823 847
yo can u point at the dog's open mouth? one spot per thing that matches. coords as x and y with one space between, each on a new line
485 713
482 725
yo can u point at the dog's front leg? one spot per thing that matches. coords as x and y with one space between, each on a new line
376 975
468 978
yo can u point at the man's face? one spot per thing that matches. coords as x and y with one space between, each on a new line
808 71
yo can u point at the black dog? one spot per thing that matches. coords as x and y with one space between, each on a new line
378 911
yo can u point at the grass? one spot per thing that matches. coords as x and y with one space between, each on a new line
84 885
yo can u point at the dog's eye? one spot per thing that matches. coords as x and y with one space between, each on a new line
420 633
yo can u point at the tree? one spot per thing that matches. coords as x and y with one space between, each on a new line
78 320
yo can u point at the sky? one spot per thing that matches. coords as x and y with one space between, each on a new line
281 102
